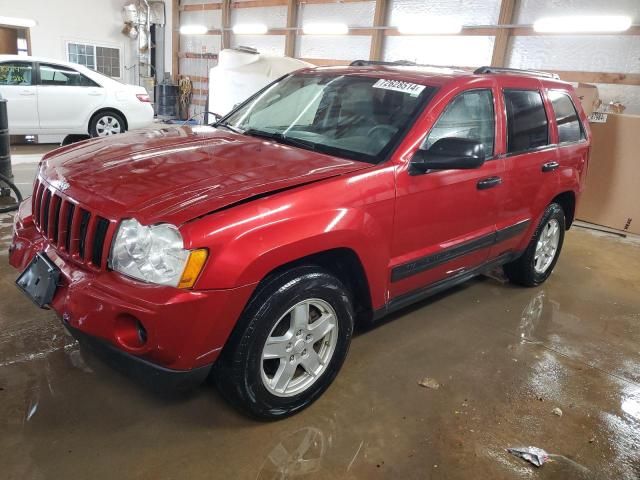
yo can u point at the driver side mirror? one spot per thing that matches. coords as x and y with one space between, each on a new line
448 154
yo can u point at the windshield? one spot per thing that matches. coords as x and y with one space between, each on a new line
356 117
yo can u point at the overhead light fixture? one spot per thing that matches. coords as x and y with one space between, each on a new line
430 26
18 22
250 29
583 24
193 29
325 29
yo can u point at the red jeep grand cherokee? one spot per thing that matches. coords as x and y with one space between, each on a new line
332 196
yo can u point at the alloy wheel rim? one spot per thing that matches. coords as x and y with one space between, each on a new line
547 246
107 125
299 347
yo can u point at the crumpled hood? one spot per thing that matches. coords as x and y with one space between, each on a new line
177 174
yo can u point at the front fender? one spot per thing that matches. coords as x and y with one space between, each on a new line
249 241
250 256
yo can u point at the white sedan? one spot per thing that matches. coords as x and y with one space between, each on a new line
49 97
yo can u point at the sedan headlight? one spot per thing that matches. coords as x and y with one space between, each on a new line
155 254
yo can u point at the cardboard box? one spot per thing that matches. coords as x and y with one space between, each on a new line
589 97
612 191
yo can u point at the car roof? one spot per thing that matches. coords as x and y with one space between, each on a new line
92 74
26 58
439 76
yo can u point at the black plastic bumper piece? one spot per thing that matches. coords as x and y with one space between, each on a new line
152 376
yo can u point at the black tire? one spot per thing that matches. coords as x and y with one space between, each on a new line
238 372
103 116
522 271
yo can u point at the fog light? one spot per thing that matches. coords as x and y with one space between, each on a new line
130 332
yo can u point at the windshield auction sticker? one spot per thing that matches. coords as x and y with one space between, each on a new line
412 89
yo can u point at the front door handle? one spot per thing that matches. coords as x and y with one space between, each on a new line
489 182
550 166
27 93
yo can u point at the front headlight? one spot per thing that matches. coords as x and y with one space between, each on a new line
155 254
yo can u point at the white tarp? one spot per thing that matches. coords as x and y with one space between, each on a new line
239 75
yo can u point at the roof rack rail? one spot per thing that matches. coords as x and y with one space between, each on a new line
366 63
402 63
536 73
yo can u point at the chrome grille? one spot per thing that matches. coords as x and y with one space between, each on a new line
74 231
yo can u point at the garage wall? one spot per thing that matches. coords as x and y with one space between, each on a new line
274 17
72 20
352 47
574 53
583 53
85 21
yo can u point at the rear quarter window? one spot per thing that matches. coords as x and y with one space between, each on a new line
570 128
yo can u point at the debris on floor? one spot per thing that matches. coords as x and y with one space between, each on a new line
557 411
534 455
428 382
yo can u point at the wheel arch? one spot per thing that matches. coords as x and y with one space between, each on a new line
343 263
567 200
106 110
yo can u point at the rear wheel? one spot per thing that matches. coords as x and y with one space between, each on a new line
288 345
104 124
541 255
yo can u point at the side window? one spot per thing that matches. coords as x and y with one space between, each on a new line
527 125
63 76
16 73
569 126
469 115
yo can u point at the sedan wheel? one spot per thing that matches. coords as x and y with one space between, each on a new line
108 125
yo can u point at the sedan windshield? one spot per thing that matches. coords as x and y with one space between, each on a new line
356 117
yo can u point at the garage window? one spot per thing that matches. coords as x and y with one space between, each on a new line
105 60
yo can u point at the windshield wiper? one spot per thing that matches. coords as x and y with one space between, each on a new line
228 127
281 138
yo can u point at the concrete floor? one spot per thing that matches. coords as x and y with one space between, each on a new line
504 357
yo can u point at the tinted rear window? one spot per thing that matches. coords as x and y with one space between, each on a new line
527 126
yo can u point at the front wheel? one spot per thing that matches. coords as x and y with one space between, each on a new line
541 255
289 344
108 123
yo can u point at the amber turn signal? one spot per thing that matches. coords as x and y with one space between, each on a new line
192 269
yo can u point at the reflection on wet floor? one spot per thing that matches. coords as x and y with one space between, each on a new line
505 358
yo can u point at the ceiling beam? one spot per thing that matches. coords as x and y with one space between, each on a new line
598 77
292 23
175 39
196 7
501 42
226 24
377 36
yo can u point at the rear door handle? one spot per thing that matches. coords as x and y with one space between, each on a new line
489 182
550 166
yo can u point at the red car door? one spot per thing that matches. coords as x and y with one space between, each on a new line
530 155
445 219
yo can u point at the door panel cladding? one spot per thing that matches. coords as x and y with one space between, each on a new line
430 261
